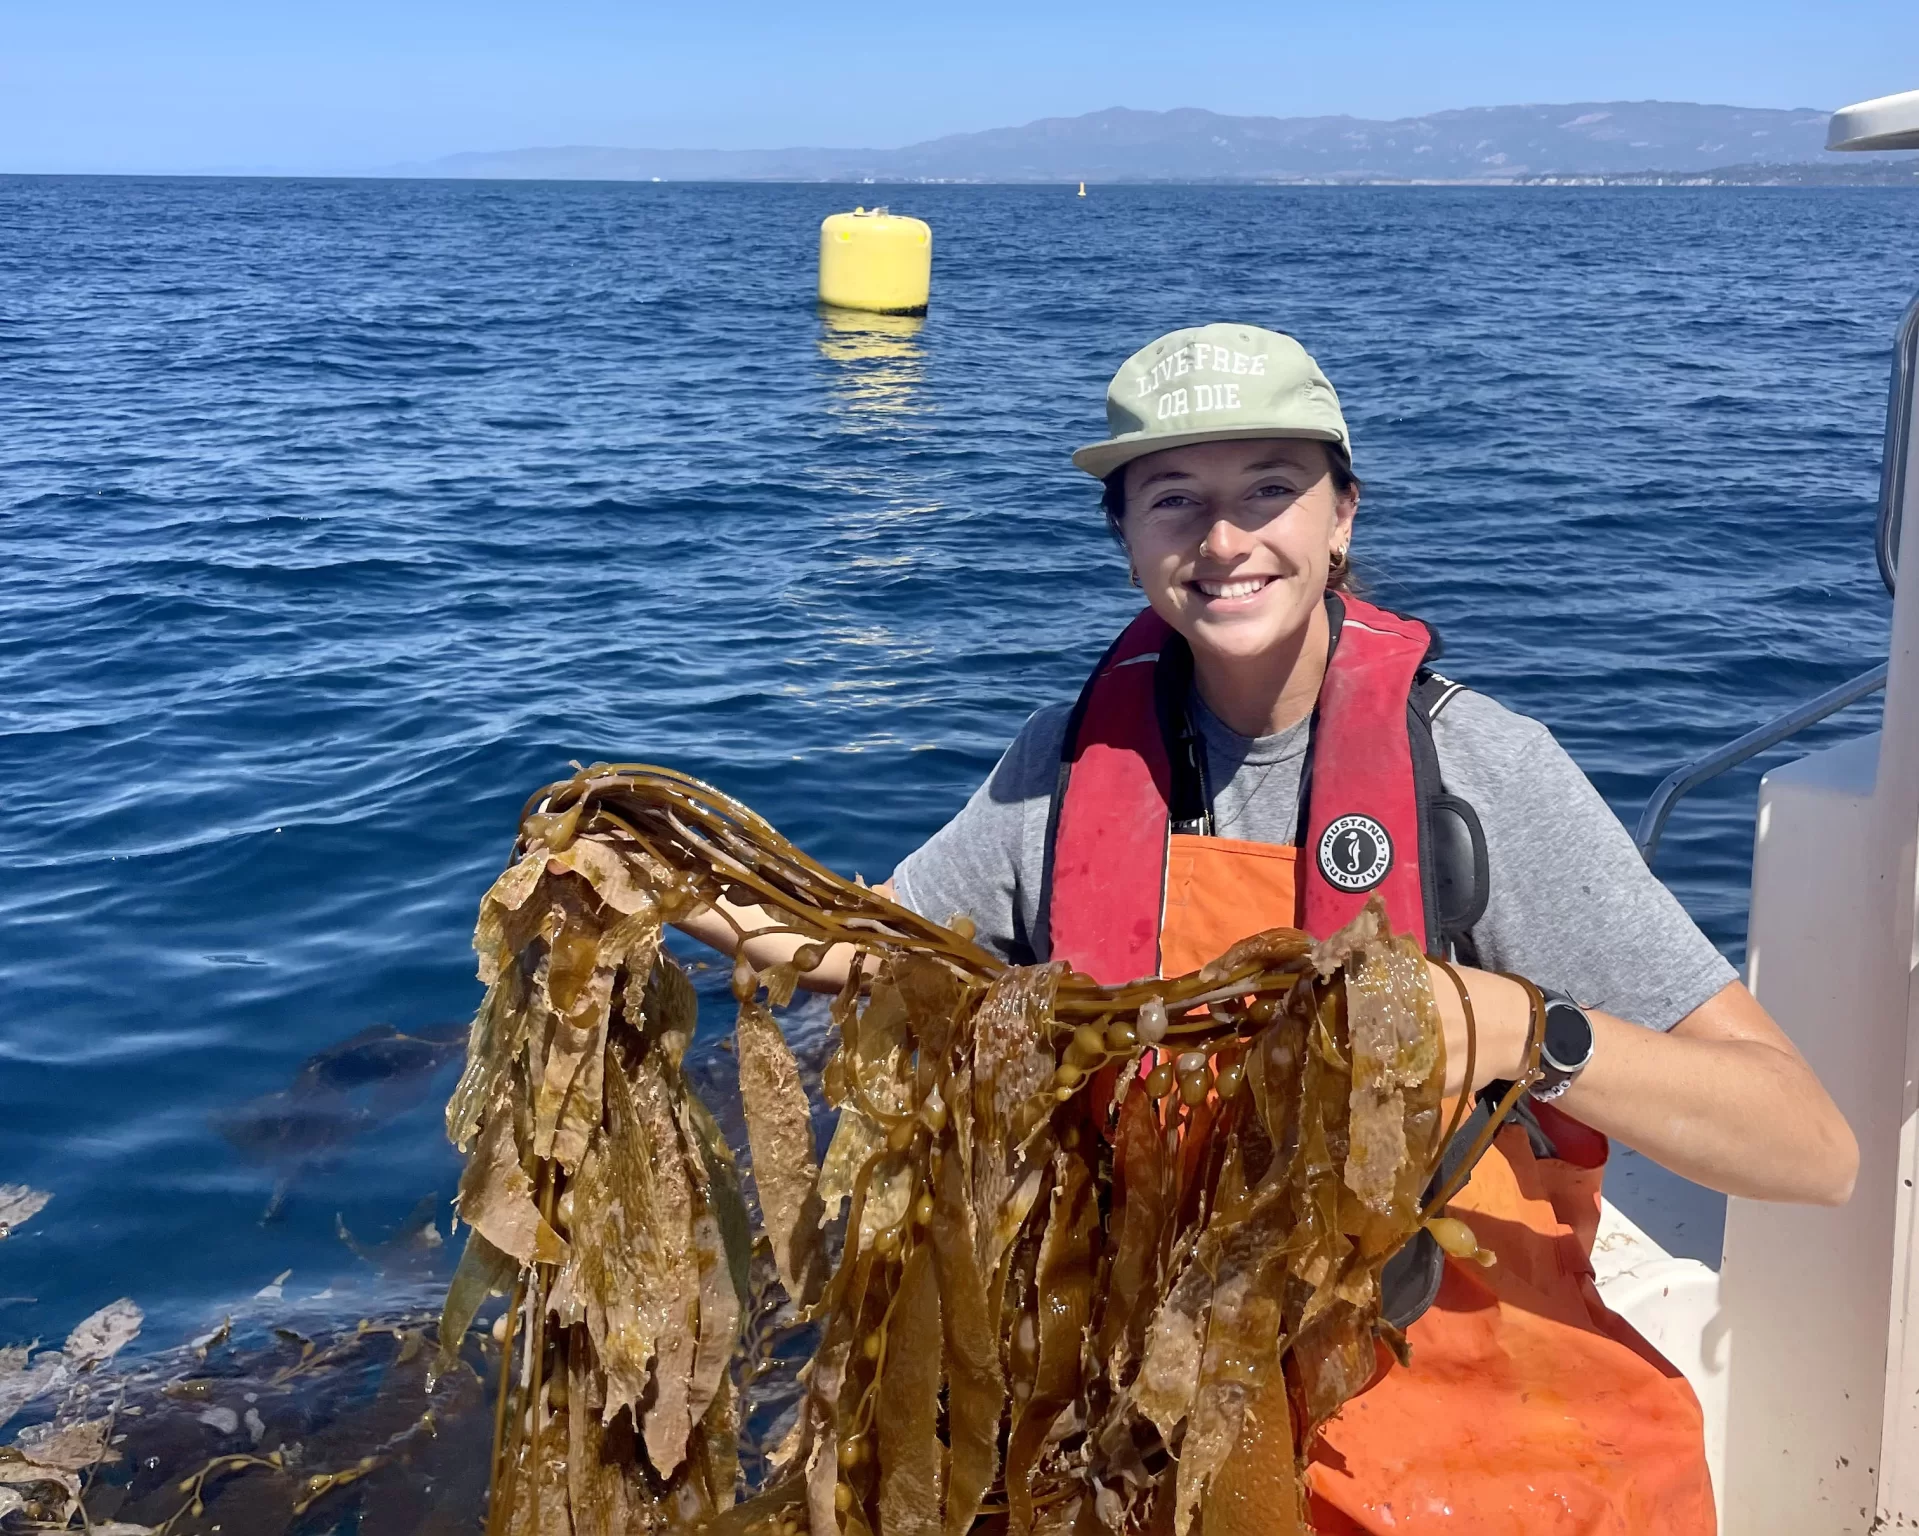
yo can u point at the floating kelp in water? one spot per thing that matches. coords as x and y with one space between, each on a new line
338 1094
1110 1255
272 1433
415 1248
19 1205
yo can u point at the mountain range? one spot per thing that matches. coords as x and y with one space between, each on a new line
1476 144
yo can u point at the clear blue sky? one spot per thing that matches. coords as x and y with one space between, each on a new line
218 84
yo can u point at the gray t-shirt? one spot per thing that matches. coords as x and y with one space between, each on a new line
1572 904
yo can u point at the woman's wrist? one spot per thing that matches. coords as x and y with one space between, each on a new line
1505 1011
1501 1023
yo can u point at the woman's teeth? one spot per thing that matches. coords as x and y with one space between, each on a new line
1245 587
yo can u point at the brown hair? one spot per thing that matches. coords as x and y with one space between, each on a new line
1339 574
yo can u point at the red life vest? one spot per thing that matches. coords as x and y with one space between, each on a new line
1106 895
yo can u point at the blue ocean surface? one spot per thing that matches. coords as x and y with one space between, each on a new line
336 516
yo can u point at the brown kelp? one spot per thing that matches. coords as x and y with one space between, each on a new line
1078 1257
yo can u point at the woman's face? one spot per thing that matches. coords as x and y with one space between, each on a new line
1231 540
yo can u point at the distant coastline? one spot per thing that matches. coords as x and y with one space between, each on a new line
1836 173
1574 143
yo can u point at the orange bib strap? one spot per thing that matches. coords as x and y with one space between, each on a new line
1219 891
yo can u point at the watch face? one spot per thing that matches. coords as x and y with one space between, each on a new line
1569 1036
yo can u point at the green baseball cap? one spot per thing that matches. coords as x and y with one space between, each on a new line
1209 384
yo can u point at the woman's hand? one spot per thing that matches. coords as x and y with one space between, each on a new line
1723 1098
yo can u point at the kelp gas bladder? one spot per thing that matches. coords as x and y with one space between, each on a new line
1110 1255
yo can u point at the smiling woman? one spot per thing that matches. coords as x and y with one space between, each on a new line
1260 749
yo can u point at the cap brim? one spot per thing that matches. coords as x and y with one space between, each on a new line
1100 459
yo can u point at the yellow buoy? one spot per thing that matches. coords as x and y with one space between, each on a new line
1082 189
875 260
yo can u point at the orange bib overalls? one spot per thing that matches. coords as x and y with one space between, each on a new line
1529 1409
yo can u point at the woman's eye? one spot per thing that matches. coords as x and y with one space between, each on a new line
1276 490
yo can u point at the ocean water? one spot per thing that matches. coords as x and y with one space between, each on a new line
337 516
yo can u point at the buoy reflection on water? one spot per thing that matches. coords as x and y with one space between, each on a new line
877 362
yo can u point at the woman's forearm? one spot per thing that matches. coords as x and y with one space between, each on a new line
1723 1098
722 925
1740 1116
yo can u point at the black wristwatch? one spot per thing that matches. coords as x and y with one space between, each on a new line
1567 1048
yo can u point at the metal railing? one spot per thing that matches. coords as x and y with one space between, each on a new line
1894 471
1681 781
1896 466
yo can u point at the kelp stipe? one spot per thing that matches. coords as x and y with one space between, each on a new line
1111 1255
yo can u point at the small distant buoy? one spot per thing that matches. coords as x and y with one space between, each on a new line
877 261
1082 189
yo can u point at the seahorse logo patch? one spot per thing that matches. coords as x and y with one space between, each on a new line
1355 853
